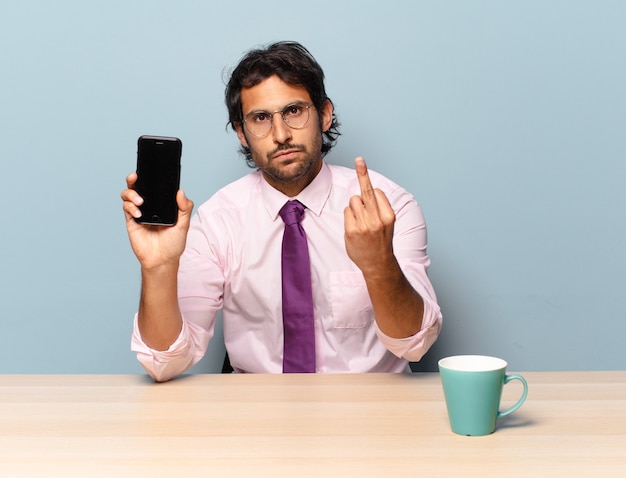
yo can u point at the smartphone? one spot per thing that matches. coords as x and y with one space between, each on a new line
158 179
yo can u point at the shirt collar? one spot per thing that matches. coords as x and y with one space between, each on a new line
314 196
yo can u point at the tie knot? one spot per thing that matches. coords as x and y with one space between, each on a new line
292 212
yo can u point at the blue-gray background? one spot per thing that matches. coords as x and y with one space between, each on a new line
506 120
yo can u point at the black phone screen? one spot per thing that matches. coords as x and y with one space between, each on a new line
158 179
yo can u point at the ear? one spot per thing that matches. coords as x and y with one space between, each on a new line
241 134
327 115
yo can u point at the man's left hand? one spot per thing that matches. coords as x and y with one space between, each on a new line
369 221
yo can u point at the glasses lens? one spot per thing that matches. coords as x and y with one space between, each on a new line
259 124
296 115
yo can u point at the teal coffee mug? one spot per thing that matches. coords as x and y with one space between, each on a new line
472 386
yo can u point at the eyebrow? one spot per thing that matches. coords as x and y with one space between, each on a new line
295 102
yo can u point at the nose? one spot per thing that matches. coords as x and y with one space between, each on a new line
281 133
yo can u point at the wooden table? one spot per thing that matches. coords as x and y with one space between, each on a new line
382 425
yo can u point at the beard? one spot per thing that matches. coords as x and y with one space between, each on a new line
292 170
306 165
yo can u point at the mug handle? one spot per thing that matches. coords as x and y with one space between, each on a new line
507 379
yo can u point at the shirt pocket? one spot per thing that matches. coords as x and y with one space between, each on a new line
350 301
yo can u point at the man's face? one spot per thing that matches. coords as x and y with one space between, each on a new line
288 158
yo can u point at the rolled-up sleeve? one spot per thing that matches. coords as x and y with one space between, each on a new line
415 347
185 352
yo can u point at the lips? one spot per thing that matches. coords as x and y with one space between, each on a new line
285 154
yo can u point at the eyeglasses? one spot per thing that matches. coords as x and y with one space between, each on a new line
259 123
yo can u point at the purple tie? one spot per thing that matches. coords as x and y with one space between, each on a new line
299 348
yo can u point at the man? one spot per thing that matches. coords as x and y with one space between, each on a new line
373 307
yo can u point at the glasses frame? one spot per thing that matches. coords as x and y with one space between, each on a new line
307 107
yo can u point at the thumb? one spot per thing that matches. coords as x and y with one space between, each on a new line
185 205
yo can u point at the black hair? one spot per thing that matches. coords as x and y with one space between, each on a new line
294 65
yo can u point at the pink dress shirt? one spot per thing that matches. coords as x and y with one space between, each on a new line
232 262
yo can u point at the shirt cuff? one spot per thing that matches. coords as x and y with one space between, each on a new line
415 347
162 365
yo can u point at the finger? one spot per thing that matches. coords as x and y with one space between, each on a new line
354 225
131 196
348 219
131 199
356 207
385 211
131 210
185 205
367 191
131 179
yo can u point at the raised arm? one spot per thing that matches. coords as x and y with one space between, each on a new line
369 222
158 249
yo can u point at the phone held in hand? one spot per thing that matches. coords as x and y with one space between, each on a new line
158 179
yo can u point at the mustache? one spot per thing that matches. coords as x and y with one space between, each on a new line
286 147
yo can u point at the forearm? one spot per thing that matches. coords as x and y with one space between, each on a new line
159 317
398 308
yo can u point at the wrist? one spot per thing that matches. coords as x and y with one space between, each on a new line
159 272
386 271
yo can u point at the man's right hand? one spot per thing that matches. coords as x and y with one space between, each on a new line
155 246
